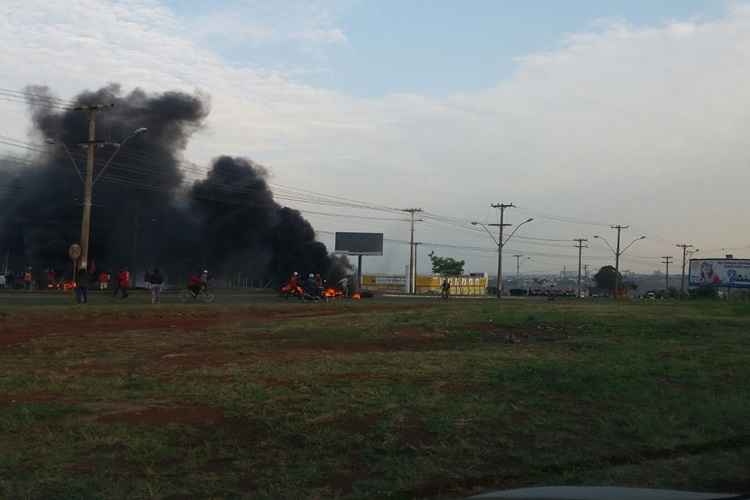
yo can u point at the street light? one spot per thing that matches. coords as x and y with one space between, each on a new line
53 142
119 146
88 181
500 244
617 251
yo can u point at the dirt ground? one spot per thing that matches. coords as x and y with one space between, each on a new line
27 324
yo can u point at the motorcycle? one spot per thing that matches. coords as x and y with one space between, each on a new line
291 291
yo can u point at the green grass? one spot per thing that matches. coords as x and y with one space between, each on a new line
406 400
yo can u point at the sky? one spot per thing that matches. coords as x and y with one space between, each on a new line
581 113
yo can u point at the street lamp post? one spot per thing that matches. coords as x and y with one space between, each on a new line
618 253
500 244
89 180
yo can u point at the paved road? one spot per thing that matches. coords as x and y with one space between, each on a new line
19 298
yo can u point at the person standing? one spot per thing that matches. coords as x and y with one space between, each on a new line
28 279
104 278
156 279
82 287
123 283
2 280
445 288
344 285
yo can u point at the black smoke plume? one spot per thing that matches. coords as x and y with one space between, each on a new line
146 212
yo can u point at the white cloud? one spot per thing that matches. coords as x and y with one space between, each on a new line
639 125
264 24
334 35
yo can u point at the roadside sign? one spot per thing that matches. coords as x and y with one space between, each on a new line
74 252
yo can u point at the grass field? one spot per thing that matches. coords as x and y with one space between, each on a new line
373 399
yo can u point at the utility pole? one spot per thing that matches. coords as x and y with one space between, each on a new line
518 266
617 256
500 244
416 255
88 181
580 246
412 253
684 247
667 260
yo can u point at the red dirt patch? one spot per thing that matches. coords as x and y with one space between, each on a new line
191 415
24 327
349 423
357 376
517 335
29 397
414 434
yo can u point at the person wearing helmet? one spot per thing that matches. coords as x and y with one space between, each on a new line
311 287
198 284
294 280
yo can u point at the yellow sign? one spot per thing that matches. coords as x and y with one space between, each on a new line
460 285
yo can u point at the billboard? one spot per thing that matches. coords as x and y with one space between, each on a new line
396 283
730 273
359 243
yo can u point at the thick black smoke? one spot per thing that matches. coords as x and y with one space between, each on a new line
143 215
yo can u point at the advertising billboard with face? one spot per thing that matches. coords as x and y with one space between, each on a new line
730 273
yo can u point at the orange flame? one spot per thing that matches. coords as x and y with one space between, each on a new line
356 296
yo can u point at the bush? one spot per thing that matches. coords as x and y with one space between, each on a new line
704 292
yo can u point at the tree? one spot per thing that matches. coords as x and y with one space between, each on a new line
446 266
607 278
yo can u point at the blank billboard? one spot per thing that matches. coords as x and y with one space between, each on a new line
359 243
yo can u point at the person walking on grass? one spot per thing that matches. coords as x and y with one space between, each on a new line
156 279
123 283
104 278
82 286
28 279
445 288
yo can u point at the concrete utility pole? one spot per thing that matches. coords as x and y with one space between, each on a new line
412 256
580 246
88 179
667 260
88 182
518 266
500 245
618 252
499 241
416 259
684 247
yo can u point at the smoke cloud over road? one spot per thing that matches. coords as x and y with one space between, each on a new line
148 209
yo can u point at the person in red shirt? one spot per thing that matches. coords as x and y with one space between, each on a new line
123 283
197 284
104 280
